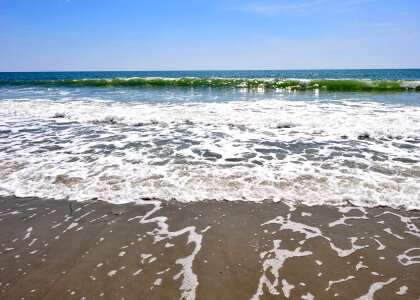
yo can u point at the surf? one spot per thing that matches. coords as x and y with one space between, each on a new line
332 85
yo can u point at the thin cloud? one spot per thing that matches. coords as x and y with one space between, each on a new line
270 9
301 8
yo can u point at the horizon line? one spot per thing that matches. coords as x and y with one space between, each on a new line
207 70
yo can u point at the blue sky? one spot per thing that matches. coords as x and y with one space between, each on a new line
98 35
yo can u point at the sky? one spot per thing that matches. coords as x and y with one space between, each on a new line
101 35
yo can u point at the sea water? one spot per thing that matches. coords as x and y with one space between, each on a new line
311 137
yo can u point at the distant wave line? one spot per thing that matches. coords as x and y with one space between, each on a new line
339 85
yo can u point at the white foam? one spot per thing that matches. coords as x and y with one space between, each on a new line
56 225
335 118
360 265
158 281
311 232
144 257
343 219
275 264
308 296
402 291
72 225
411 227
286 288
408 258
388 230
82 216
347 252
381 246
28 233
331 282
229 130
137 272
189 282
374 288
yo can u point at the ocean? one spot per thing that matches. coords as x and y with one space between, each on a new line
113 185
310 137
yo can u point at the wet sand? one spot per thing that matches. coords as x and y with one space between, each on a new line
206 250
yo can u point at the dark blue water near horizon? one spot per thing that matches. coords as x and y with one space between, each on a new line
373 74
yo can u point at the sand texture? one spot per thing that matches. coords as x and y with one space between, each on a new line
206 250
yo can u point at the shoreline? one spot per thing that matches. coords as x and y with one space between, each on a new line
348 203
205 250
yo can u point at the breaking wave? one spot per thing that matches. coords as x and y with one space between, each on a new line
340 85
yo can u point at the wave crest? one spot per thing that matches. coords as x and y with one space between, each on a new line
340 85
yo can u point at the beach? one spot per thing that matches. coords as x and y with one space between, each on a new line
205 250
210 184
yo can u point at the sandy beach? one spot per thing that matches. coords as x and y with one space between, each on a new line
54 249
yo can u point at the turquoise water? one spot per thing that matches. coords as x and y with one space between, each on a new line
321 80
314 137
377 74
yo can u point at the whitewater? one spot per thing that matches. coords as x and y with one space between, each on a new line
349 139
